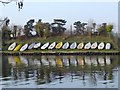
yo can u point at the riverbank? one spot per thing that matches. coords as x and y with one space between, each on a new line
63 52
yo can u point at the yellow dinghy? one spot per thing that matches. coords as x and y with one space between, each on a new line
17 47
59 45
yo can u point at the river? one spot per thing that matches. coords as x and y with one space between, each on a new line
60 71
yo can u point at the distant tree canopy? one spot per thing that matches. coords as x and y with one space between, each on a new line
58 26
79 27
46 29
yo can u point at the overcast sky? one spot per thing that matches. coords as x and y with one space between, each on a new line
70 11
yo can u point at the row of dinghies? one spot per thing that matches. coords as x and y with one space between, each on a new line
50 46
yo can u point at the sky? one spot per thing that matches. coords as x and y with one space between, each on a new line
71 11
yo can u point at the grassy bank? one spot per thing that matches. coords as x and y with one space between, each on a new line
70 39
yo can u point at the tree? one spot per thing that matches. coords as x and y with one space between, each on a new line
28 28
26 31
102 29
5 33
94 25
46 30
109 28
79 27
58 26
15 31
5 30
39 28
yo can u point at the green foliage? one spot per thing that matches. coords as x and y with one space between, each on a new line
79 27
59 29
109 27
5 33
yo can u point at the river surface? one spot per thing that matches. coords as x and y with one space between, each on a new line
59 71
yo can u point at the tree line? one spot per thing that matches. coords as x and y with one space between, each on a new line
57 28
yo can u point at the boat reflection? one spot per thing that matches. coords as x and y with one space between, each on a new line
47 69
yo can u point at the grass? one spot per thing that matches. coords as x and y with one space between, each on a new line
71 39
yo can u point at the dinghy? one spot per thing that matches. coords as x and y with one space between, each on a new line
108 46
45 45
73 45
12 46
59 45
24 47
87 46
18 47
31 46
52 45
37 45
94 45
101 45
80 45
66 45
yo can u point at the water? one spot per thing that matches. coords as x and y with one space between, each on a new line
59 72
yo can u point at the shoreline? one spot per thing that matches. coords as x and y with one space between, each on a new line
87 52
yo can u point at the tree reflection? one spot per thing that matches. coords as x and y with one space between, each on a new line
47 69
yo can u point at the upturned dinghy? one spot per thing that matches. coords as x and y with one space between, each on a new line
73 45
52 45
12 46
37 45
87 46
45 45
66 45
101 45
80 45
31 46
18 47
59 45
94 45
108 46
24 47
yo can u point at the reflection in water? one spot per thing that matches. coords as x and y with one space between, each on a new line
60 71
